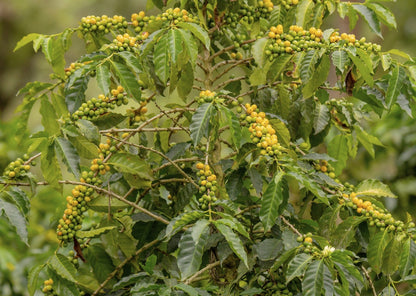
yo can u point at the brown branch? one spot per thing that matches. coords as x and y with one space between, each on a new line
110 193
229 81
120 266
290 225
369 280
220 52
230 68
149 129
198 273
176 160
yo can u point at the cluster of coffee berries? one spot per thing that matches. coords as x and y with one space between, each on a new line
48 289
295 40
262 133
71 69
73 258
171 16
138 114
249 13
98 165
350 40
72 218
275 284
96 107
325 167
287 4
206 96
236 55
377 216
124 42
18 169
102 24
207 185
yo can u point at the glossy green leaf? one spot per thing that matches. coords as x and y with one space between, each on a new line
344 234
369 16
312 282
32 279
233 223
274 195
200 126
233 241
88 130
84 147
49 118
69 155
161 59
374 188
63 267
383 14
362 68
103 76
282 259
130 163
340 59
100 261
131 60
189 45
297 266
174 44
376 249
198 32
186 81
268 249
307 65
304 8
75 93
18 197
54 52
407 257
276 68
12 213
321 117
27 39
367 140
282 131
191 248
189 290
258 50
391 258
233 123
50 166
177 223
396 83
338 149
127 79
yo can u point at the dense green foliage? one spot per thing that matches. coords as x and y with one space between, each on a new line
211 162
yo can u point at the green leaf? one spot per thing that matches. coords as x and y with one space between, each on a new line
313 280
190 46
127 79
54 52
27 39
233 241
187 289
101 204
321 117
182 220
103 76
258 49
374 188
174 45
88 130
18 197
344 234
198 32
268 249
51 169
391 258
367 140
297 266
84 147
234 124
94 232
161 59
131 61
63 267
338 149
407 257
396 83
200 126
191 248
132 164
384 14
275 195
233 223
69 155
49 119
100 262
75 93
376 248
15 217
362 68
303 9
186 81
283 258
369 16
386 60
282 131
32 279
307 65
340 59
277 67
258 77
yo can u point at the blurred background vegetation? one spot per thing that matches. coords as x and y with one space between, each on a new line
394 164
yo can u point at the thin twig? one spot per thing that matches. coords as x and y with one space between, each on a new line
369 280
229 69
195 275
120 266
191 159
220 52
229 81
148 129
107 192
290 225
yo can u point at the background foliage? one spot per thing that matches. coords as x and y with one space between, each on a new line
395 132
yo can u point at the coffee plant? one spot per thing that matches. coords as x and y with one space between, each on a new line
200 151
